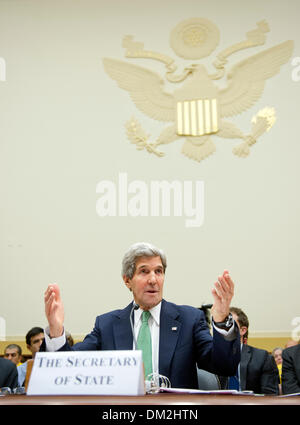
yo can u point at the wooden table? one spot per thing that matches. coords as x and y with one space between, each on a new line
153 399
156 408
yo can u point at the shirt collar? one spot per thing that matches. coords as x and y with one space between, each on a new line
155 314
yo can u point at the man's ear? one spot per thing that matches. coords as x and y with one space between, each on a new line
243 330
127 282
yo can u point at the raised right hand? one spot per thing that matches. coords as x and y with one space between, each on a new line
54 310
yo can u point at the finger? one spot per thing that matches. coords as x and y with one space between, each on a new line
222 286
229 282
55 289
47 294
215 295
218 290
47 290
227 277
226 272
48 305
224 295
52 289
50 300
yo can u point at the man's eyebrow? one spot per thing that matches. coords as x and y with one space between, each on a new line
159 266
142 266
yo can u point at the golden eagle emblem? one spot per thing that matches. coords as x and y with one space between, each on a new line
198 108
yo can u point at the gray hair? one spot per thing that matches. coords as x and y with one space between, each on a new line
275 349
137 250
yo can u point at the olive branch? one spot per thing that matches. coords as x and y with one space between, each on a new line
137 136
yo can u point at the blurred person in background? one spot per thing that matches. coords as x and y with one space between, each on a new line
34 339
13 352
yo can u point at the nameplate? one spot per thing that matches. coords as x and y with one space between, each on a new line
87 373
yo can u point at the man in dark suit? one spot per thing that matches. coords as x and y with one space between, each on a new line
8 374
291 370
257 370
180 336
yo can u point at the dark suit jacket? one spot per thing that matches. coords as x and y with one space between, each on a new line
184 341
258 372
8 374
291 370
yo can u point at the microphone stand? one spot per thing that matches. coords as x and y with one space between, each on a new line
134 307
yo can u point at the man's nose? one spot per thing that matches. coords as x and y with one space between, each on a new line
152 277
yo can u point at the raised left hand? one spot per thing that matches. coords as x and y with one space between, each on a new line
222 293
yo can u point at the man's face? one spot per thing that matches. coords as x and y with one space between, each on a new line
147 282
243 329
278 356
35 343
12 355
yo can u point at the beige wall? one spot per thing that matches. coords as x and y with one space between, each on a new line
62 131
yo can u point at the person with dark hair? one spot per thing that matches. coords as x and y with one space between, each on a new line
8 374
13 352
257 370
34 339
175 337
70 339
206 310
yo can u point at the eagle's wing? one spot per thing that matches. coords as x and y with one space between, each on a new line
246 79
145 88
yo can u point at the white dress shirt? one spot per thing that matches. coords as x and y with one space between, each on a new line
54 344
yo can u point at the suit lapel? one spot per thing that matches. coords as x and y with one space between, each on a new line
122 331
169 333
245 358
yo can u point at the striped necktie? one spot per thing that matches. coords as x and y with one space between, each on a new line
144 343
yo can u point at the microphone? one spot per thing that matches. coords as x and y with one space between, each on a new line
134 307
